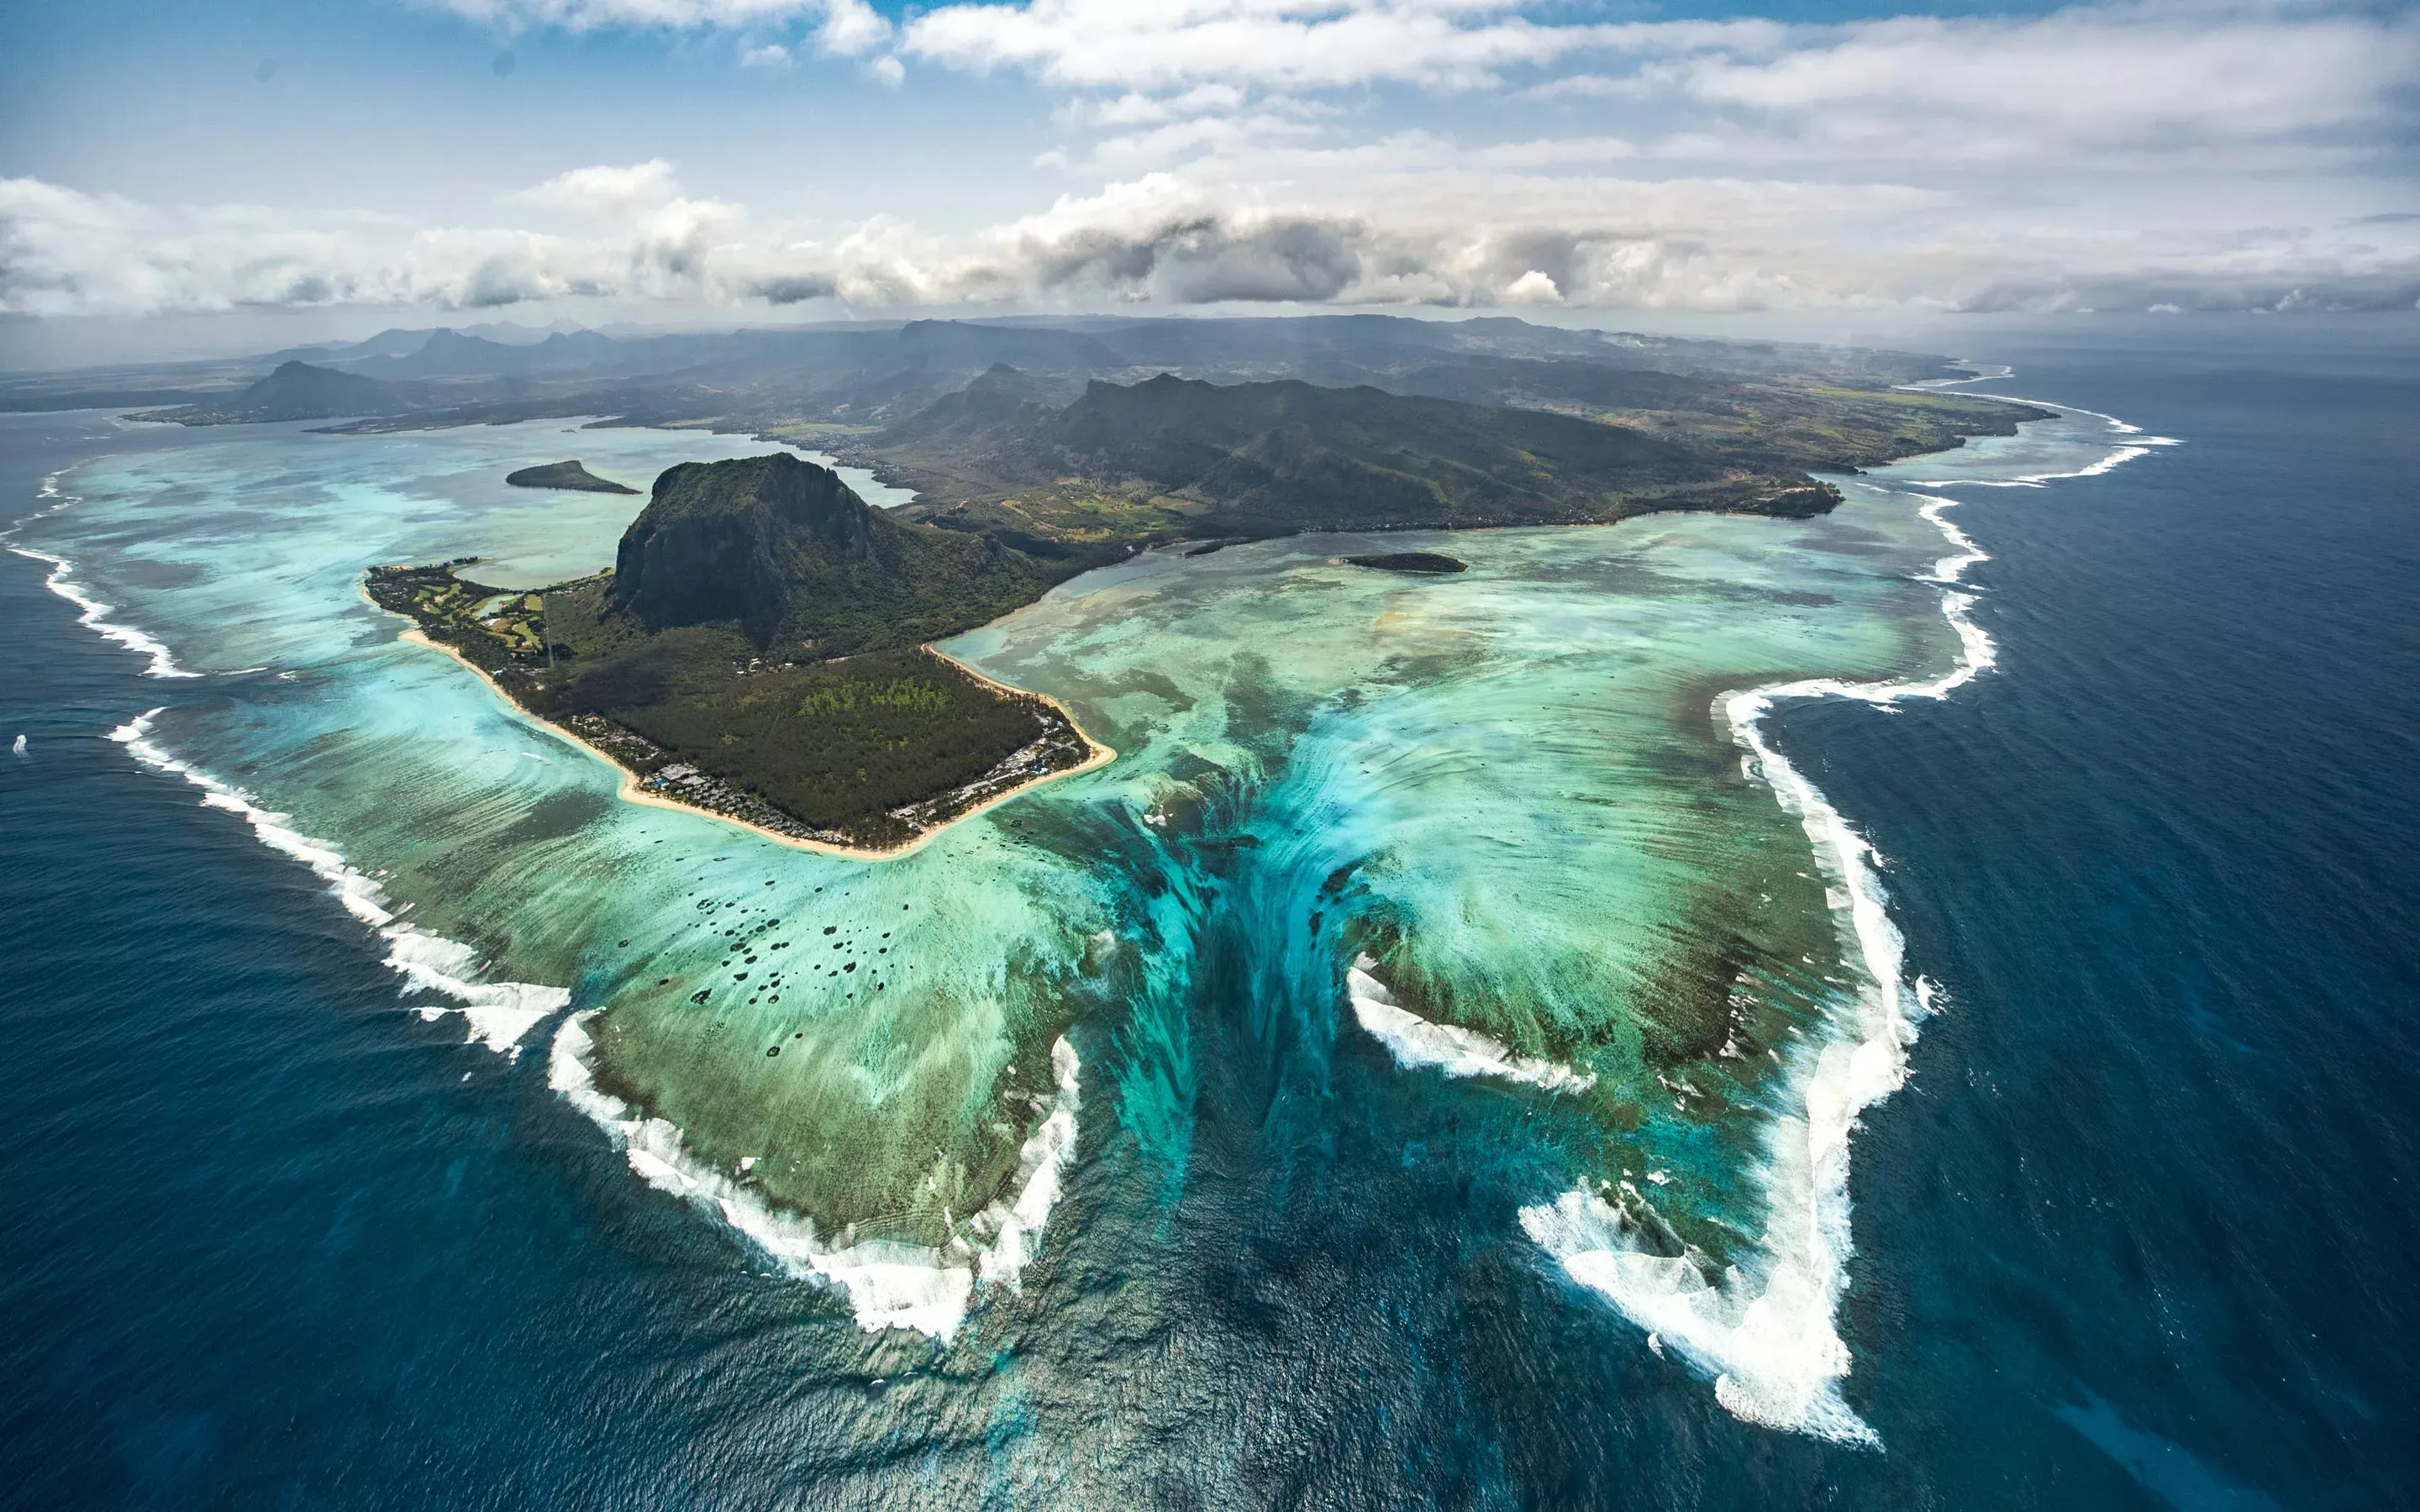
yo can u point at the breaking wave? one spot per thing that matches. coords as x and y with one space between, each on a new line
1766 1329
500 1014
889 1285
92 611
1417 1043
2136 446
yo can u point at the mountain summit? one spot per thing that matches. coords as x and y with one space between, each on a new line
805 567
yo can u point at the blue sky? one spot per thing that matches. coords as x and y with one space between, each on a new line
679 161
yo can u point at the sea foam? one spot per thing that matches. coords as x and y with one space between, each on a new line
1766 1329
499 1014
93 612
889 1285
2136 446
1417 1043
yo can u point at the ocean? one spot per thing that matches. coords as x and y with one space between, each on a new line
315 1201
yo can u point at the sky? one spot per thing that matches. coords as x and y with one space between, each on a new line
224 165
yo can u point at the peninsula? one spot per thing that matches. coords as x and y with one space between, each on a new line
758 653
762 647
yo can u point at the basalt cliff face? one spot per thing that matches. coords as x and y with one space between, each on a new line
710 543
805 567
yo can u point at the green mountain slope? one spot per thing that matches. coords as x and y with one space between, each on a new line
782 550
1173 456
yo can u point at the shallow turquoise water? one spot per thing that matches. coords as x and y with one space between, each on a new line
2130 1237
1509 794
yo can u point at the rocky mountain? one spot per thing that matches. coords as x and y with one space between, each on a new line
296 391
784 548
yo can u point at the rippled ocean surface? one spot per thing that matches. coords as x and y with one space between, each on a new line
2133 1231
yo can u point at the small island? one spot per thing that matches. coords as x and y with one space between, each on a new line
1422 561
566 475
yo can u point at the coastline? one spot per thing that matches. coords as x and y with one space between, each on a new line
632 792
1866 1065
1773 1346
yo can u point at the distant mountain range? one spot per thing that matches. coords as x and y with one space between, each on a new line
758 610
874 374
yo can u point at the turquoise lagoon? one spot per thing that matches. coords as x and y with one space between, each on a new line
1514 838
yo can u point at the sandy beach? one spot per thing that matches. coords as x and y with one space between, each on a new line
632 793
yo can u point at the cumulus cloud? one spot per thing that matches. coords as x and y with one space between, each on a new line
604 189
850 28
2233 153
1709 245
2084 82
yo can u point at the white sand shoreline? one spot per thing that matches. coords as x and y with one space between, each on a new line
632 793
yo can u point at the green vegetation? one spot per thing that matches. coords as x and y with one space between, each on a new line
757 652
867 751
566 475
781 550
1825 426
487 627
756 648
1173 457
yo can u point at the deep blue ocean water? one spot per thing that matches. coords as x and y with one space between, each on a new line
2137 1234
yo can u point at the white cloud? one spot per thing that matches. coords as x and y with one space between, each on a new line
769 56
1532 288
1548 152
1226 135
2076 83
589 15
1162 239
2239 153
2164 78
1138 109
850 29
604 190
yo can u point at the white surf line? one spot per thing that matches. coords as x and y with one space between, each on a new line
1417 1043
91 612
95 613
2141 445
889 1284
499 1014
1769 1337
